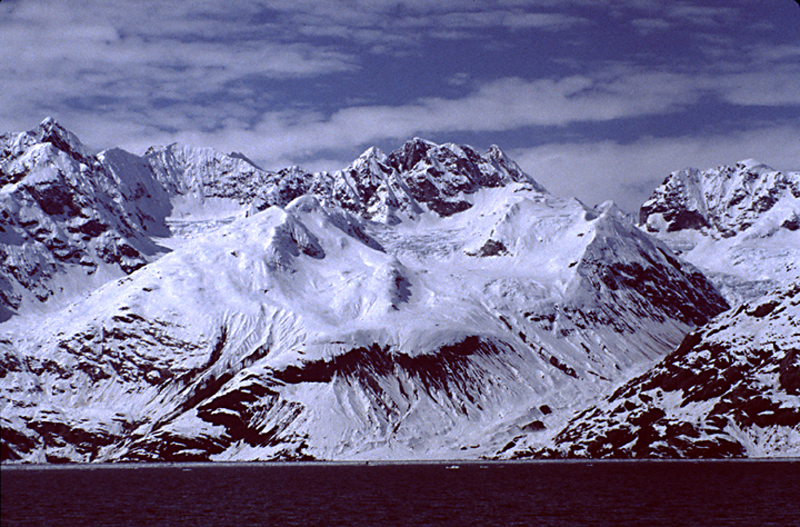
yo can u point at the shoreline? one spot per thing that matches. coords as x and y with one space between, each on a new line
446 463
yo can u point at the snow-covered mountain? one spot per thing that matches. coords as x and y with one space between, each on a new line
731 389
419 177
432 302
740 224
204 173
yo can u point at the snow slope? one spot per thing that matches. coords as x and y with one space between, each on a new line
430 303
731 389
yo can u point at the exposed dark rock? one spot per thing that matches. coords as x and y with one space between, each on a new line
166 446
490 248
764 309
448 208
13 444
792 223
535 426
563 367
686 219
789 372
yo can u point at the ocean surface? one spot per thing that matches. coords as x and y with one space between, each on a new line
645 493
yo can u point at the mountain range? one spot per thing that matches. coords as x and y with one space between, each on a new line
432 303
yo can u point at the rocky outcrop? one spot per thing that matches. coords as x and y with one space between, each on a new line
737 224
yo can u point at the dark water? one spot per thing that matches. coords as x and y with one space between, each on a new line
536 494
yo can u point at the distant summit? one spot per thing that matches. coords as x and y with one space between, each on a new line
49 132
726 200
419 176
740 224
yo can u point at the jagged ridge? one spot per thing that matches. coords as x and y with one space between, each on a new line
65 211
727 200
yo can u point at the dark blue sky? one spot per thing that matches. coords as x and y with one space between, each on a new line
598 99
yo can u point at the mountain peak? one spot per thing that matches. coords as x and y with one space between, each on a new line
411 153
49 121
373 152
609 207
205 172
420 141
496 152
51 131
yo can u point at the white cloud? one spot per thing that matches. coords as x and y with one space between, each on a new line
134 58
145 63
778 87
647 26
514 19
502 105
513 103
702 15
392 26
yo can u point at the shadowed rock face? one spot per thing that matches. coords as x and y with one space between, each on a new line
789 373
241 411
255 411
693 305
729 390
650 270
